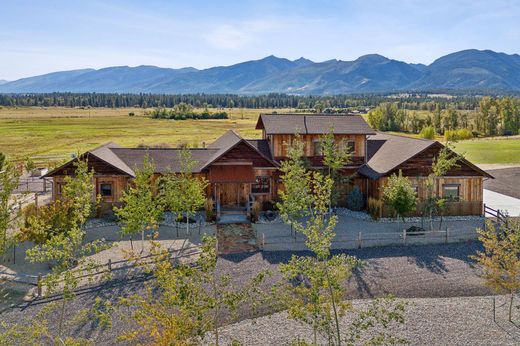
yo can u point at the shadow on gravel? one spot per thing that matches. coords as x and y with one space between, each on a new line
238 257
426 256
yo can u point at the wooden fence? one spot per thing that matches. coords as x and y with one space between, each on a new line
102 268
496 213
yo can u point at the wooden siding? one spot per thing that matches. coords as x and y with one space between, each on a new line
471 193
97 165
278 144
231 173
243 153
422 163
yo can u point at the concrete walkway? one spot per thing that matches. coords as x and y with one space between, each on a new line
508 204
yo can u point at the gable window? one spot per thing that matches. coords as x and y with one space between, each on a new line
351 145
451 192
105 189
318 148
262 184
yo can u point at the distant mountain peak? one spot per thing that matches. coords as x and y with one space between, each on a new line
372 58
302 61
470 69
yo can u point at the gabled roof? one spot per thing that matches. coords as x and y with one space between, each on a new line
313 124
386 152
104 153
228 141
126 160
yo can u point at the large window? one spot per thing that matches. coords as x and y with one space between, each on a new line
262 184
105 189
451 192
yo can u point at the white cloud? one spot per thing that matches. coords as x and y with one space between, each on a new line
228 37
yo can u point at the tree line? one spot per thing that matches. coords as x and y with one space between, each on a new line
273 100
490 117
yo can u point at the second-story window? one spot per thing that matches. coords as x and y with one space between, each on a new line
318 149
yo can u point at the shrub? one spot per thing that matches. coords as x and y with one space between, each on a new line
355 199
255 211
427 132
131 114
456 135
209 208
374 208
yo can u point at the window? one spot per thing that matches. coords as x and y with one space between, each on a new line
351 145
261 185
451 192
59 187
318 149
105 189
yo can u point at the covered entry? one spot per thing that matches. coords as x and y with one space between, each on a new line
231 183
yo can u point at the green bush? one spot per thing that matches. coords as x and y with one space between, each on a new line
457 135
355 199
427 132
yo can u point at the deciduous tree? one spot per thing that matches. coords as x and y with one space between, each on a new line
141 209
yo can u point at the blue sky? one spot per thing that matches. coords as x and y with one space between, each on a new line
37 37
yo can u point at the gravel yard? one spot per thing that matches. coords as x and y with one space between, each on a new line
428 321
406 272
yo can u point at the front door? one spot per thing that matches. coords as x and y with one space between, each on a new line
233 194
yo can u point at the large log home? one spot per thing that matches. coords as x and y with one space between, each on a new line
242 170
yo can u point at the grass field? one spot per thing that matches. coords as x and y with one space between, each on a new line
53 134
504 150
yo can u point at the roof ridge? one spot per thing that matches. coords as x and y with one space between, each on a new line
404 136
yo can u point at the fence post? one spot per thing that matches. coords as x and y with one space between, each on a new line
263 240
44 185
446 235
39 284
110 265
404 236
36 200
360 240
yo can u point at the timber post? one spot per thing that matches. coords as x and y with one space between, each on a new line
404 236
446 235
109 264
360 240
39 284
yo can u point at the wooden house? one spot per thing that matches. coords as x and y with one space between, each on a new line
243 170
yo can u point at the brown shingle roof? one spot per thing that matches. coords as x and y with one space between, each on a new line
386 151
262 145
313 124
165 159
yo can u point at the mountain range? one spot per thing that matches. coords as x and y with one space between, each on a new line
467 70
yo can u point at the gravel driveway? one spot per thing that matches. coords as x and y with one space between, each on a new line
407 272
428 321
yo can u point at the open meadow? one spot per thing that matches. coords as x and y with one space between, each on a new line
54 133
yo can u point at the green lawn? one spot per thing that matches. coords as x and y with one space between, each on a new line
503 150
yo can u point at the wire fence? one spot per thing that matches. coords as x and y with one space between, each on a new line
370 239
